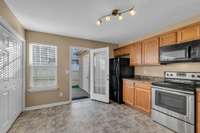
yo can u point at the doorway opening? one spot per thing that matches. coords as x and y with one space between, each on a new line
80 73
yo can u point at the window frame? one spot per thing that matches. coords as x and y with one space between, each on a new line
42 88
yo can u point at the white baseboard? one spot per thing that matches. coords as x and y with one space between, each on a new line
46 105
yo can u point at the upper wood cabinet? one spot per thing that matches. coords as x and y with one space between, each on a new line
168 39
136 54
150 51
189 33
128 92
122 51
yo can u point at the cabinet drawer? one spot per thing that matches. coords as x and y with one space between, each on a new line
143 84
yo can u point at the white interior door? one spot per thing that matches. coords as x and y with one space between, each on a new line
85 72
99 75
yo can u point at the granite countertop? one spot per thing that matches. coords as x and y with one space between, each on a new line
146 78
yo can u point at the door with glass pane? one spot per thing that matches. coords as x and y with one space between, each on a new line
11 78
99 75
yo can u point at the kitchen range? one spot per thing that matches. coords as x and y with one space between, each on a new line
173 101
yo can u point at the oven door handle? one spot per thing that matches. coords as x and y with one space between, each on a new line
173 91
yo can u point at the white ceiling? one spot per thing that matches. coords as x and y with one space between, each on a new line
77 18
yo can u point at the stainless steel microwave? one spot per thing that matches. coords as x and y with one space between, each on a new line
185 52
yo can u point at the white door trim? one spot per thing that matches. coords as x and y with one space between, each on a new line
10 29
68 71
85 72
102 98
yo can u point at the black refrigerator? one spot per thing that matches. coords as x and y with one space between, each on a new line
119 69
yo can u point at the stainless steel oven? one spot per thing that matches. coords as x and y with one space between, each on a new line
179 104
173 101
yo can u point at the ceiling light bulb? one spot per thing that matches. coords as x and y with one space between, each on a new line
120 17
108 18
132 12
98 22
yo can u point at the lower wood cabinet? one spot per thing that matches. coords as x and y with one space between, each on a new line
128 92
137 94
143 99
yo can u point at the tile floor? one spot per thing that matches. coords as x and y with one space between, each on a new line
86 116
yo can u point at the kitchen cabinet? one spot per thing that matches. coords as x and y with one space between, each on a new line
143 95
143 99
189 33
136 54
122 51
168 39
137 94
150 51
198 112
128 92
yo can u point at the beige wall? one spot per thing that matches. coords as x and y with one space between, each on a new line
7 15
63 44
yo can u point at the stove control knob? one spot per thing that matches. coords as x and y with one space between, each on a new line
198 76
171 74
193 76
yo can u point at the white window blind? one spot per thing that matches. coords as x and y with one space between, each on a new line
43 66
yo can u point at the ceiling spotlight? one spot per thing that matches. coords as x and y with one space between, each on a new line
116 13
108 18
120 17
98 22
132 12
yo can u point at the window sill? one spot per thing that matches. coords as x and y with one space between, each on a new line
42 89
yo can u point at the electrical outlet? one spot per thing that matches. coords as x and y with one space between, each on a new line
145 72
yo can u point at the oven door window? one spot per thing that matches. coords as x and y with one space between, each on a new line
172 102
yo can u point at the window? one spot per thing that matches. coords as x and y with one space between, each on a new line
43 67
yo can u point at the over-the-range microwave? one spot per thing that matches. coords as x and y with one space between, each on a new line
184 52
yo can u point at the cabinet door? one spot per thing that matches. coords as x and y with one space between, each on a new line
136 54
150 51
189 33
168 39
143 99
4 109
128 92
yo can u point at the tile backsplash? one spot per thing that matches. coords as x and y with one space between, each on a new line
158 71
